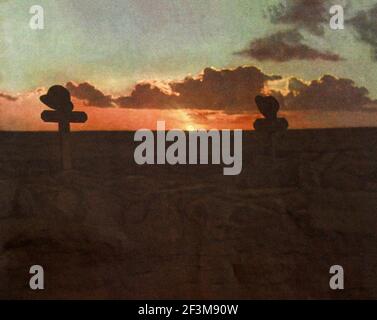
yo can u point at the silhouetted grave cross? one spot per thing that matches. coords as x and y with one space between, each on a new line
271 127
59 99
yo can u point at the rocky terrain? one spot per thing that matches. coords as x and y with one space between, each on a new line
111 229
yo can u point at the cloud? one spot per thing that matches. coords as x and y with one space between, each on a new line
313 16
302 14
8 97
147 95
365 25
296 85
299 15
231 90
327 94
285 46
91 95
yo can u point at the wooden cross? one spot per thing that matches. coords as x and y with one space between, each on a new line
64 119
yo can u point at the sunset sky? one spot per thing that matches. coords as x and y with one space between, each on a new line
193 63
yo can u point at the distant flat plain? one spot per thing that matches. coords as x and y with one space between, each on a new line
113 229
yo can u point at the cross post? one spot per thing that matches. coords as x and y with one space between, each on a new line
64 119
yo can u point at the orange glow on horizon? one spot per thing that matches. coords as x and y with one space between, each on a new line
24 115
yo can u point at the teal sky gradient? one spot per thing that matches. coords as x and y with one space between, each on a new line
114 44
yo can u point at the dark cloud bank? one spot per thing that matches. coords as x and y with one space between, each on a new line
233 91
229 90
364 24
287 45
312 17
309 15
327 94
87 92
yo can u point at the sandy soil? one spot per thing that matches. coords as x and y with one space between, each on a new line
111 229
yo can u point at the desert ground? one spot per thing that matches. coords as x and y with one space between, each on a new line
112 229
